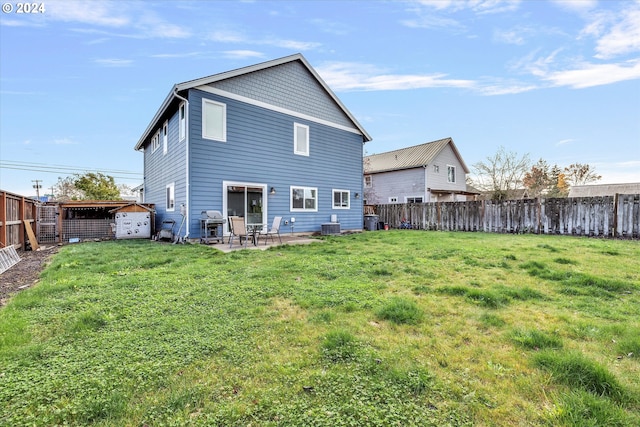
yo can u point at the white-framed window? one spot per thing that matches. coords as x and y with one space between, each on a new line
165 137
413 199
367 181
341 199
393 200
451 173
182 121
155 142
304 199
214 120
171 197
300 139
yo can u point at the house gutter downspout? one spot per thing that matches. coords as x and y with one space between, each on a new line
186 156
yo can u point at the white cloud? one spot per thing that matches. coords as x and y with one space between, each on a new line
576 5
102 13
356 76
176 55
241 54
564 142
622 38
138 18
479 6
590 75
236 37
114 62
227 37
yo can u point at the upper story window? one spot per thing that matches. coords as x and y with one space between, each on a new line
214 120
367 181
301 139
341 199
171 197
182 112
155 142
451 173
304 199
165 137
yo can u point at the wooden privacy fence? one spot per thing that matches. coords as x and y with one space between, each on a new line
16 213
609 216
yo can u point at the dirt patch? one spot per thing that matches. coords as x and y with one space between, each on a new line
25 273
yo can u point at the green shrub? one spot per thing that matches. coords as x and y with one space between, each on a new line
401 310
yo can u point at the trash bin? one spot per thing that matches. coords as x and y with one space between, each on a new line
371 222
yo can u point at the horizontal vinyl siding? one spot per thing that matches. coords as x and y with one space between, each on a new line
400 184
259 149
439 180
163 169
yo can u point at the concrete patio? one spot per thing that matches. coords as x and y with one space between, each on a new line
287 239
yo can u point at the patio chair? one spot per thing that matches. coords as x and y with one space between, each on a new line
275 229
238 229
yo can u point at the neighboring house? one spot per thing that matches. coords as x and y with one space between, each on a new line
597 190
261 141
431 172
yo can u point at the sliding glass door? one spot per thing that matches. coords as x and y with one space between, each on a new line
246 200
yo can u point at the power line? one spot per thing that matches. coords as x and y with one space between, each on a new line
64 169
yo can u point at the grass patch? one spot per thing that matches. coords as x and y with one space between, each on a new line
578 372
400 311
534 339
579 408
393 328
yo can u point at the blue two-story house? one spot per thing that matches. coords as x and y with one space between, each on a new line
267 140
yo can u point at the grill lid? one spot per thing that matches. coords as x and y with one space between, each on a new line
212 215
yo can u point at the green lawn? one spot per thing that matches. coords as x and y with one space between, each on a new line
381 328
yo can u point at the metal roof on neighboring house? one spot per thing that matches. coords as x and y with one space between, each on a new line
597 190
410 157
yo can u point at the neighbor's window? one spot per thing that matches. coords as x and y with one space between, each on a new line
414 199
301 139
214 120
171 199
304 199
182 111
393 200
165 137
451 173
341 199
367 181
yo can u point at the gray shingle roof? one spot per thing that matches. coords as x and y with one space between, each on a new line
410 157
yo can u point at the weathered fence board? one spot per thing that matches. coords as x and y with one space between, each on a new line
610 216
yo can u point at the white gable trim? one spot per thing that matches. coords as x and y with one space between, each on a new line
271 107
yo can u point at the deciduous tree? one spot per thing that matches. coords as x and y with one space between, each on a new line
501 175
581 174
97 186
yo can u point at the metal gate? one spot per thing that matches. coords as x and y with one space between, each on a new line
47 224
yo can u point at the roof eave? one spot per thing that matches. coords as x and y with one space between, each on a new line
156 117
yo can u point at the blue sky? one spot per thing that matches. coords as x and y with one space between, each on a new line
558 80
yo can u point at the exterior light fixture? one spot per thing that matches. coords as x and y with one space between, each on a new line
272 191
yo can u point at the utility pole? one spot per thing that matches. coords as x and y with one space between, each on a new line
37 186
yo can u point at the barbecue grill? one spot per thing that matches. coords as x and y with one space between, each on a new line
211 223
